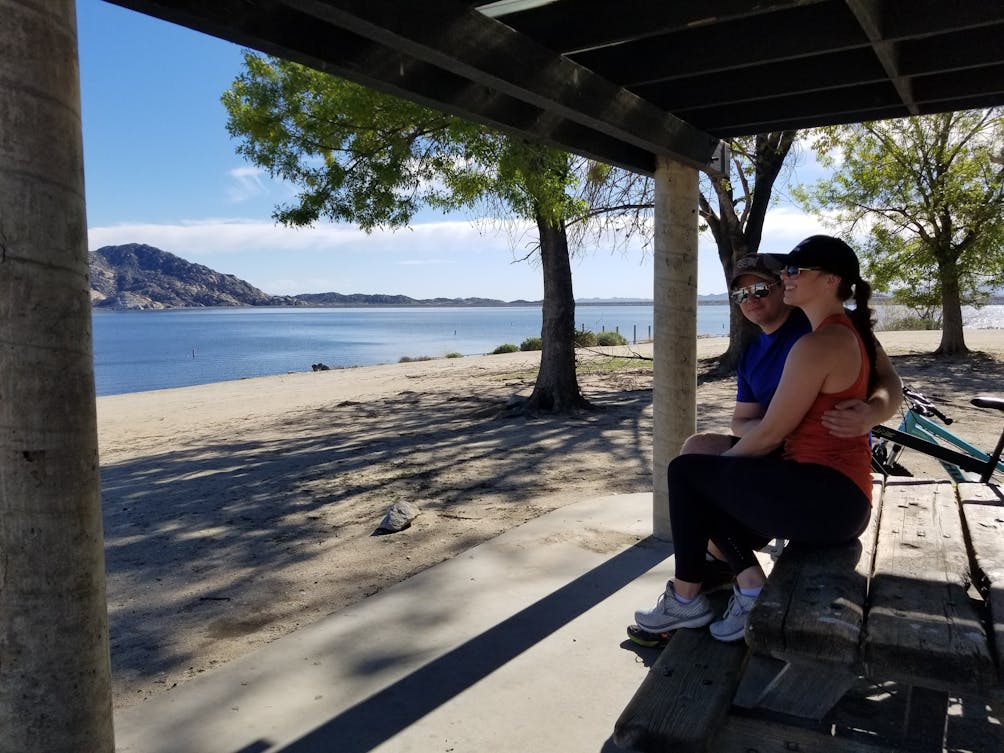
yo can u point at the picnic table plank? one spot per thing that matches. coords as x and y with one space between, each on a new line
813 604
983 512
742 734
922 628
684 696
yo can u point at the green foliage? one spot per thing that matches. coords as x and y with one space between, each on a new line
531 343
505 348
369 158
928 192
585 338
610 338
412 359
454 354
613 364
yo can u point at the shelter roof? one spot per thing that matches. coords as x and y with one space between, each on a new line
624 80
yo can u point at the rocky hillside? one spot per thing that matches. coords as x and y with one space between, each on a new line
137 276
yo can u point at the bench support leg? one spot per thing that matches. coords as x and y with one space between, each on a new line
924 720
803 689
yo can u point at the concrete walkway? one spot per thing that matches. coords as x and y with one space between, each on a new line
516 646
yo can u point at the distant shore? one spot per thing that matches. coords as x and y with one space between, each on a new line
326 300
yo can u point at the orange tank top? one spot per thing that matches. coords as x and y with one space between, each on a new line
811 442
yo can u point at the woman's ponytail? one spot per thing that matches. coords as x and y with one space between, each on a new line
861 317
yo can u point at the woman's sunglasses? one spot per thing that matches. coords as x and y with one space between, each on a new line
793 271
756 290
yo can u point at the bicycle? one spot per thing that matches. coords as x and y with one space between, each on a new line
918 431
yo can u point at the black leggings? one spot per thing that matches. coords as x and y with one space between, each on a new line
736 502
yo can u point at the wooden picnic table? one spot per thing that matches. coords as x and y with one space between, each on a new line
917 604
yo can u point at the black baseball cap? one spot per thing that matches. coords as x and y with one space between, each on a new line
765 266
828 254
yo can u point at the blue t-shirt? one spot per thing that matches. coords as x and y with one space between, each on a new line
761 364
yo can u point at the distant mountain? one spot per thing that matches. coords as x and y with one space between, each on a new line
137 276
363 299
614 301
713 298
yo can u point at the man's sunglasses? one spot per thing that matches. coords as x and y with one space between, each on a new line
756 290
792 271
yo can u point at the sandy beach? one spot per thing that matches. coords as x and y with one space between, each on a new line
237 512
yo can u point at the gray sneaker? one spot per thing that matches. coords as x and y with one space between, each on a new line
732 626
670 614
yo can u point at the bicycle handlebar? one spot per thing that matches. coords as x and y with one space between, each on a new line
921 403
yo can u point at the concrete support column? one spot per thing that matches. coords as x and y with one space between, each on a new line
675 348
55 678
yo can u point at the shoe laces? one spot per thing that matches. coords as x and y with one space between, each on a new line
735 607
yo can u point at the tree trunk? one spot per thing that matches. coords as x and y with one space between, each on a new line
557 387
741 333
55 678
731 245
953 341
737 235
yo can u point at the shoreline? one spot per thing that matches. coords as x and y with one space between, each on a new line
236 512
711 342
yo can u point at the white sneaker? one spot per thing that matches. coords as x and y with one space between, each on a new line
670 614
732 626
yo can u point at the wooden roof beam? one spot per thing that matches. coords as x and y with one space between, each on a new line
869 15
468 44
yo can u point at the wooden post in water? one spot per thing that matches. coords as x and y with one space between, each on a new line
674 381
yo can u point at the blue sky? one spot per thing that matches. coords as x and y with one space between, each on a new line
161 169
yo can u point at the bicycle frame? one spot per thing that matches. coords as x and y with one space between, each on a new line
920 433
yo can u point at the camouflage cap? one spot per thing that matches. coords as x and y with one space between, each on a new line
765 266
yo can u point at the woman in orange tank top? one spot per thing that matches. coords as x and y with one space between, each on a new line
818 491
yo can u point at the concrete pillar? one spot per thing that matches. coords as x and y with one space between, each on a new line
675 316
55 678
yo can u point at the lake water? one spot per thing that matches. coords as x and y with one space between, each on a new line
149 350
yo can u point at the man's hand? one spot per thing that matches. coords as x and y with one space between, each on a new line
849 418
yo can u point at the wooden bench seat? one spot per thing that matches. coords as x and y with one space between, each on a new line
814 602
685 695
894 609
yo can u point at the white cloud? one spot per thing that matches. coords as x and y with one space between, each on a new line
212 237
424 262
246 183
784 227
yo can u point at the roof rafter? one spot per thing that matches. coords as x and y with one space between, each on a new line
486 51
625 81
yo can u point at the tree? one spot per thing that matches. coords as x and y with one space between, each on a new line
928 193
360 156
737 225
